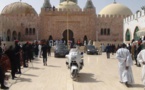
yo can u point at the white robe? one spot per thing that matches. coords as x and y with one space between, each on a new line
124 58
141 59
39 48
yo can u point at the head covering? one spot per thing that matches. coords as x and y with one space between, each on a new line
123 45
16 41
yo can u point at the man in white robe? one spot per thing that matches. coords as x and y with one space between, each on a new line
125 63
39 52
141 59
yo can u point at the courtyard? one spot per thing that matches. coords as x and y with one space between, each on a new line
98 73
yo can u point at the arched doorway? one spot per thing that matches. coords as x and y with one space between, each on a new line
8 35
19 36
135 34
85 40
70 35
50 37
14 35
127 36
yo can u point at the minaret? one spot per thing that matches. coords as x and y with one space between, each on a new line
46 4
75 1
114 2
89 5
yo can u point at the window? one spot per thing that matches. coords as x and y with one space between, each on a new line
105 31
127 36
135 34
108 31
26 31
101 32
33 31
30 31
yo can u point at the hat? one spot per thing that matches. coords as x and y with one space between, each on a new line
16 41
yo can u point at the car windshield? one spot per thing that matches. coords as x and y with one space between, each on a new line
61 47
91 47
74 52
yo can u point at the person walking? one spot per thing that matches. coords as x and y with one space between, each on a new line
17 50
108 51
44 53
10 54
125 62
141 59
2 74
39 50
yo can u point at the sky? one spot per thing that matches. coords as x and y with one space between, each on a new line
134 5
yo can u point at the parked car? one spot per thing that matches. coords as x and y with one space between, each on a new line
60 50
91 49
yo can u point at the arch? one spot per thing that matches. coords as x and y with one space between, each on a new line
50 37
70 32
8 35
135 33
19 36
127 35
14 35
85 40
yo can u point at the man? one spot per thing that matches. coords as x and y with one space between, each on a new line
141 59
44 53
17 56
108 48
2 74
39 49
125 63
10 54
139 48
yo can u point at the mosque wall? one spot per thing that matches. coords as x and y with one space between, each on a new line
81 23
131 22
14 26
115 24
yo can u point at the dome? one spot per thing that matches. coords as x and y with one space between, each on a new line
18 8
116 9
68 5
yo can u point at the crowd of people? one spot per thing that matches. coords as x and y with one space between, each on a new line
21 55
135 50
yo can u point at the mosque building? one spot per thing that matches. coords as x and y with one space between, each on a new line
19 20
134 26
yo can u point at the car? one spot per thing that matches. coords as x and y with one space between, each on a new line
60 50
91 49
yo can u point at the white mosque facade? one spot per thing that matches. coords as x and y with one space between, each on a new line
132 25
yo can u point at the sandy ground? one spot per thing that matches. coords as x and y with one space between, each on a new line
98 73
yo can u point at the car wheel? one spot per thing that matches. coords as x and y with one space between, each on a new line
55 55
87 53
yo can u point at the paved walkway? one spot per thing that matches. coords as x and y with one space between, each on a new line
99 73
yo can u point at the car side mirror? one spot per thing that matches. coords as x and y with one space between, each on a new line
66 63
82 53
66 55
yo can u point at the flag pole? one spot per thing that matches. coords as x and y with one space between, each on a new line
67 27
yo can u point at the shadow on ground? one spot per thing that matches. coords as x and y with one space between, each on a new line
137 86
87 77
54 66
30 75
23 80
36 68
